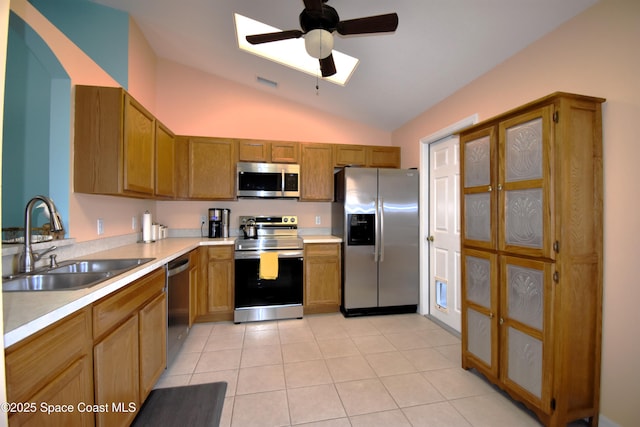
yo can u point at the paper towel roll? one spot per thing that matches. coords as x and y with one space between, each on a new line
146 227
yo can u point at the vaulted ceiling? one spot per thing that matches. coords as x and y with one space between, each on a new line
439 47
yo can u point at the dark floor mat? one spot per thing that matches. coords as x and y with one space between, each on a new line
194 406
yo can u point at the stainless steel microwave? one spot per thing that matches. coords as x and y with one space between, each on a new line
269 180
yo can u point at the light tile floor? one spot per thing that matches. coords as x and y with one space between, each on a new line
326 370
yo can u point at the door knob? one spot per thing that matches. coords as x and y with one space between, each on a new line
430 238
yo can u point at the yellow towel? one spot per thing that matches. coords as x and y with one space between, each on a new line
269 265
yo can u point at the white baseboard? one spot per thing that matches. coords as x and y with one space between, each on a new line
606 422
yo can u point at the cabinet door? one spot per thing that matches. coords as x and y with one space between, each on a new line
322 277
349 155
383 157
116 373
194 274
525 316
139 147
480 310
316 172
250 150
220 279
285 151
212 168
153 343
66 389
478 206
524 184
165 185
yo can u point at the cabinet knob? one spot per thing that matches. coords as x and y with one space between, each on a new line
490 189
499 187
491 315
501 320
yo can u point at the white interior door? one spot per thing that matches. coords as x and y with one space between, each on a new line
444 231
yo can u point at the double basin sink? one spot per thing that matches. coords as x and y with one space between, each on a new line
71 275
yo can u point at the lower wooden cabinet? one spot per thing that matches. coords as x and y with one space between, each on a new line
216 283
194 273
52 367
130 347
116 373
153 346
322 277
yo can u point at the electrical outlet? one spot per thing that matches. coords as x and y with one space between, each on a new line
203 219
318 220
100 226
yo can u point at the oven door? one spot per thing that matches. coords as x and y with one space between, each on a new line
252 291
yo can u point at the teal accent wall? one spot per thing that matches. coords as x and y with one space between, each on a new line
100 31
37 120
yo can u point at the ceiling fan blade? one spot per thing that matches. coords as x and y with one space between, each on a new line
274 37
313 5
372 24
327 66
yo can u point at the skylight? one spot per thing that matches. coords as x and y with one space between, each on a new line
291 52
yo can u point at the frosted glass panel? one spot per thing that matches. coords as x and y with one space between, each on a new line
477 212
525 361
479 337
524 151
523 224
478 280
525 295
477 162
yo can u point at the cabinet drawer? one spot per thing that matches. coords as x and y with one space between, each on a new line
220 252
36 361
112 309
322 249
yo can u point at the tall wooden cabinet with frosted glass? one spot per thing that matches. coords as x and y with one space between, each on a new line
532 254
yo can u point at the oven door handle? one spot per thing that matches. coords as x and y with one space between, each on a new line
281 254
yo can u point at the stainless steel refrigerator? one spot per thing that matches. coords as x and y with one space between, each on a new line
376 213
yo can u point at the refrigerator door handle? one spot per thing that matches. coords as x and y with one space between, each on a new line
376 239
381 206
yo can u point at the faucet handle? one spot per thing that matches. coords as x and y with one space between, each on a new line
38 255
52 261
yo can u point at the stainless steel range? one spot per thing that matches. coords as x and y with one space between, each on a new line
268 269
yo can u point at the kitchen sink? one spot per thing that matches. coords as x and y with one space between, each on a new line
53 282
115 266
71 275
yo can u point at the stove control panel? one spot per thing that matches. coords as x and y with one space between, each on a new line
272 221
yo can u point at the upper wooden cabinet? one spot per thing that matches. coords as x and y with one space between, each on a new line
349 155
383 157
165 184
366 155
206 168
115 145
316 172
254 150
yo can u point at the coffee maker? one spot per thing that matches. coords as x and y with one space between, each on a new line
219 222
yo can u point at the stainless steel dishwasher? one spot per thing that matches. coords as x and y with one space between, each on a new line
177 305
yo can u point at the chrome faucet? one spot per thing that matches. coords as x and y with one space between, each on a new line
28 257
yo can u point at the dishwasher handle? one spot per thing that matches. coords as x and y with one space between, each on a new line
177 267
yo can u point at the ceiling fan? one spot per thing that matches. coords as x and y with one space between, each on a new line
318 22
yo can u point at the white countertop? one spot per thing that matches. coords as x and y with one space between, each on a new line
25 313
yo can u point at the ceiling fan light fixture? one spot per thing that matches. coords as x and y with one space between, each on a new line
318 43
